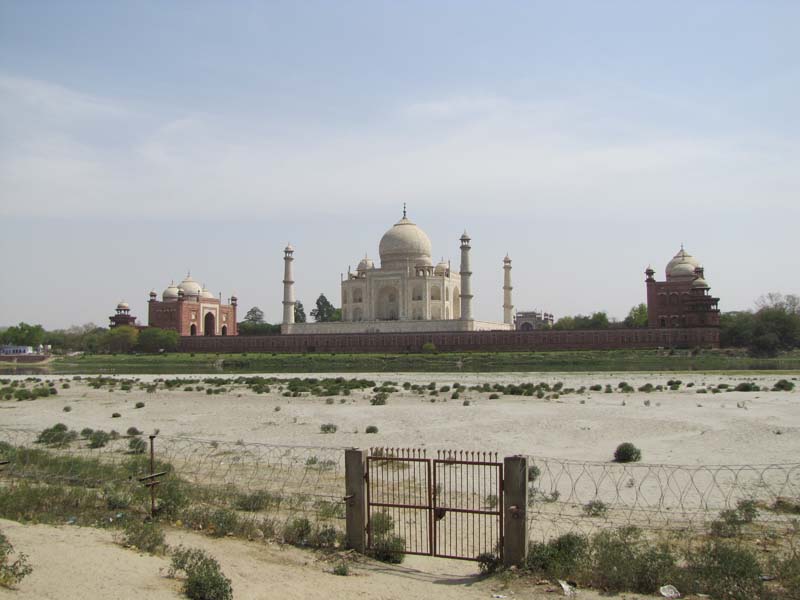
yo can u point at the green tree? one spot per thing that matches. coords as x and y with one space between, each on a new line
23 335
325 311
254 315
246 328
565 323
121 339
154 339
299 312
637 316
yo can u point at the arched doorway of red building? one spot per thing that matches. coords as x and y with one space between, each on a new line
208 324
193 329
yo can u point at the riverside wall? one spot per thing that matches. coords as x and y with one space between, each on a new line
468 341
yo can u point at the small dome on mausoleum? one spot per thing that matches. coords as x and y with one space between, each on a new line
171 293
365 264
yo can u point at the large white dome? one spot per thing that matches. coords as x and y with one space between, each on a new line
404 244
190 287
681 266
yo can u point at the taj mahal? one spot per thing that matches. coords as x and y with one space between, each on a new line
406 293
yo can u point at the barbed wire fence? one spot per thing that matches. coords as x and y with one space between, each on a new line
251 489
747 502
296 493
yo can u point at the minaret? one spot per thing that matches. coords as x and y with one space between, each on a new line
507 306
288 286
466 290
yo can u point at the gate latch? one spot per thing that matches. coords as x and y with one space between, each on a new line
516 512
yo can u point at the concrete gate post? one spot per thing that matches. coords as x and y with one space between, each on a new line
355 471
515 510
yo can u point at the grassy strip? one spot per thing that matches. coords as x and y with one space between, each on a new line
595 360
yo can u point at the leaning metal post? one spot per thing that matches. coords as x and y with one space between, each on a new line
355 474
515 500
152 471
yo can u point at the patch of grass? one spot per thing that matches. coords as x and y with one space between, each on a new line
559 558
99 438
341 569
722 571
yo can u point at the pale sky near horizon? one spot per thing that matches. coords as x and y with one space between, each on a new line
586 139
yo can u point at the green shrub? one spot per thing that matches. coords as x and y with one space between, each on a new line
723 571
379 399
559 558
465 403
328 428
115 415
489 563
595 508
627 452
746 386
324 537
429 347
341 569
381 524
371 429
224 522
783 385
533 473
117 499
204 578
256 501
99 438
388 549
297 531
146 537
493 396
172 497
133 431
137 445
622 561
11 573
67 408
86 432
139 404
58 435
596 387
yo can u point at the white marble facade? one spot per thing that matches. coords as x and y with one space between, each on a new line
407 292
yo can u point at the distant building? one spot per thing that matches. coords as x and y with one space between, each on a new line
16 350
192 310
122 316
532 320
684 299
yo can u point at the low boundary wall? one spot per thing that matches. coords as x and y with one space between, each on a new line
468 341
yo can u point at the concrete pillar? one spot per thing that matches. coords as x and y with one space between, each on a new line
466 274
507 306
288 286
355 470
515 510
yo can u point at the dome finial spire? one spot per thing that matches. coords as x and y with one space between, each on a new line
404 210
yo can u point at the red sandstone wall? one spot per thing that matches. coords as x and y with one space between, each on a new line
706 337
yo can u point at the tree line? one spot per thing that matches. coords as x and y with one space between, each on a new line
254 323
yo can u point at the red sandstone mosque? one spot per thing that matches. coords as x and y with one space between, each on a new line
684 299
192 310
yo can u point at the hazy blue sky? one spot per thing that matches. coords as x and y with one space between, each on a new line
586 139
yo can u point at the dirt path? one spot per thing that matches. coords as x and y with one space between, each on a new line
82 563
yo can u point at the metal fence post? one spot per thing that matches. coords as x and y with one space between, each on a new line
355 473
515 510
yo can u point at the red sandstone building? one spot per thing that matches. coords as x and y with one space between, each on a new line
684 299
122 316
192 310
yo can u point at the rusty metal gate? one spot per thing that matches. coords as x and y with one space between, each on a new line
450 506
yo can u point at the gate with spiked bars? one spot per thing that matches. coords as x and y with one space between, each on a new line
450 506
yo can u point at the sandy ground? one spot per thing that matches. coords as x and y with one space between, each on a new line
76 563
680 427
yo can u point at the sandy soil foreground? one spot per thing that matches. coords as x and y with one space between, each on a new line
76 563
678 427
